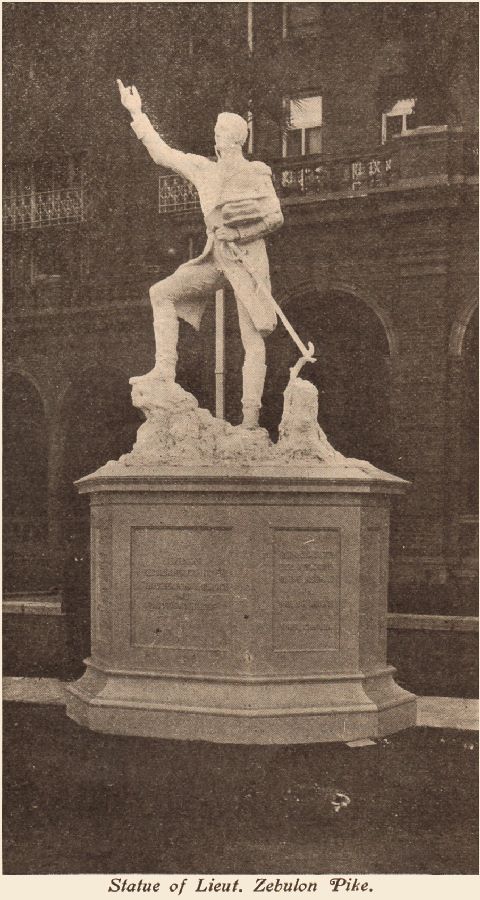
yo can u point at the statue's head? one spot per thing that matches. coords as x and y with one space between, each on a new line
230 129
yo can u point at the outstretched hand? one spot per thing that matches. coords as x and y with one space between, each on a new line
130 98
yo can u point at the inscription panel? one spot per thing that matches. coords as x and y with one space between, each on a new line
179 587
306 589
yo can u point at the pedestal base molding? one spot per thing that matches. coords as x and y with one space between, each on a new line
280 711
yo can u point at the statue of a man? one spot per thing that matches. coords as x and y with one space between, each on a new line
240 206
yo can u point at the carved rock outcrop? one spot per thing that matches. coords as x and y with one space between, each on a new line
178 433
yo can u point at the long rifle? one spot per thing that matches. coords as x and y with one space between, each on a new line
307 352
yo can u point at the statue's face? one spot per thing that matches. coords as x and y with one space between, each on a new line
223 138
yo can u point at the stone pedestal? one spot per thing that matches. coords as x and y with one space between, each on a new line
244 608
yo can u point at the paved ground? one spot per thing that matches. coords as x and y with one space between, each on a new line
78 802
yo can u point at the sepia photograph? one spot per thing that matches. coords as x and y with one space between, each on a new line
240 445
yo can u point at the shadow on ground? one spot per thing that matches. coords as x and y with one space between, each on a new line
80 802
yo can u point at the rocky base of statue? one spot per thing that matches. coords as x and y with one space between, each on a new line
177 432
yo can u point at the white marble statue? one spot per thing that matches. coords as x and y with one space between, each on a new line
240 207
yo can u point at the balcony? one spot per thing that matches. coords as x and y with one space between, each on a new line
424 157
321 177
22 212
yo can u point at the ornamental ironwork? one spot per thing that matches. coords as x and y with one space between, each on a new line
22 212
313 176
320 177
175 194
316 177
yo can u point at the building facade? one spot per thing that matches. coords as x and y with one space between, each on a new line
367 114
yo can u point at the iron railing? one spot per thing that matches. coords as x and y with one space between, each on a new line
318 176
175 194
22 212
295 178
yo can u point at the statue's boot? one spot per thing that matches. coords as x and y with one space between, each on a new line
165 326
253 383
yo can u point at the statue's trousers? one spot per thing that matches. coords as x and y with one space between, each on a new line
190 286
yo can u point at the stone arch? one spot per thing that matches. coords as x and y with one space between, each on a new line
354 349
25 484
286 298
382 314
285 295
459 327
461 509
22 372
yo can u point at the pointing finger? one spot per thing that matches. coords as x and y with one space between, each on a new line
120 85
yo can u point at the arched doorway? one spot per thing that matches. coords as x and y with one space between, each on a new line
25 487
352 373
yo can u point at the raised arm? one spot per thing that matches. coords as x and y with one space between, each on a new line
160 152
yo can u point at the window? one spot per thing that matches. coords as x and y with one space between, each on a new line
300 19
395 120
303 136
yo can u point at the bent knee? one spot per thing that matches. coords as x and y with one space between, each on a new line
161 294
